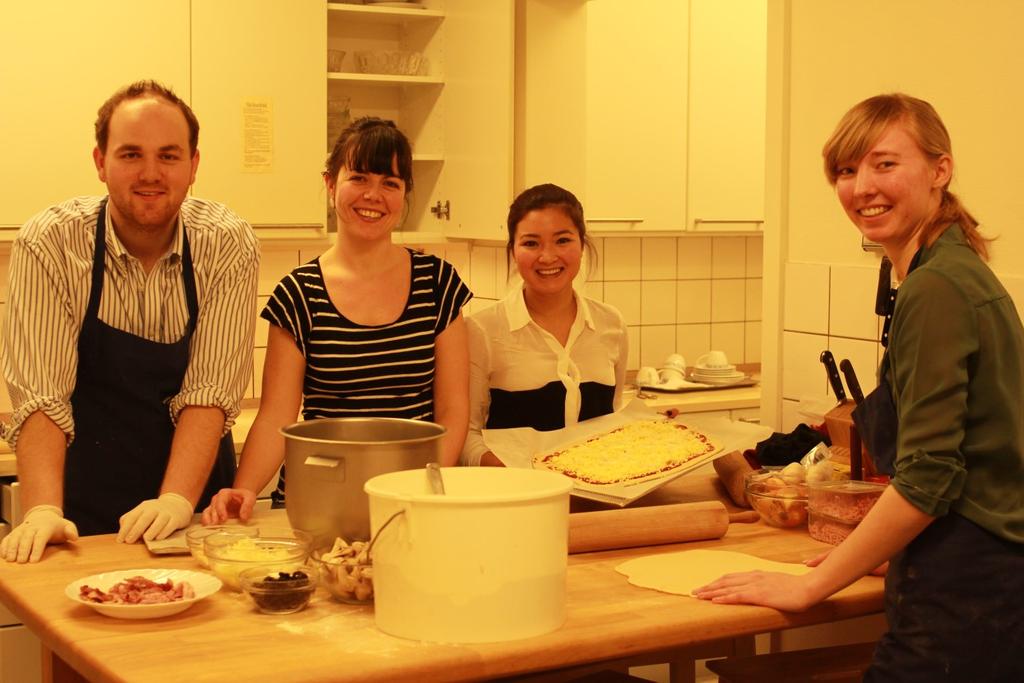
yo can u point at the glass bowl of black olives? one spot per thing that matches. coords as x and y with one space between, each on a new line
279 589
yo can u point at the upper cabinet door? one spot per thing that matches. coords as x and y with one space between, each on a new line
728 72
601 107
635 125
59 64
477 115
258 88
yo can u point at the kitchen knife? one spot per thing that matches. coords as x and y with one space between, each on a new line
884 286
851 380
834 379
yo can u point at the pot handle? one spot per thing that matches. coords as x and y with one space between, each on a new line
383 526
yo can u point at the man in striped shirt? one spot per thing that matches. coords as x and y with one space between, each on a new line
128 338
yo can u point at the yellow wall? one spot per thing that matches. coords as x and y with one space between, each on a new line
963 57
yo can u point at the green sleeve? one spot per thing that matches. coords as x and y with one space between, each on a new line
934 336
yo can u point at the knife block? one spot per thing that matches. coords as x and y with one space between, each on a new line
846 444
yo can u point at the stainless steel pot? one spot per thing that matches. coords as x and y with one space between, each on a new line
327 462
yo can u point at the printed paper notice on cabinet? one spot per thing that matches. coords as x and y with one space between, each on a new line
257 136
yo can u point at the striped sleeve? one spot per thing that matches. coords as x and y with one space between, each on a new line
452 294
40 353
288 308
226 261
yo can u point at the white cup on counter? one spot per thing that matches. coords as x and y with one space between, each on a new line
647 376
713 360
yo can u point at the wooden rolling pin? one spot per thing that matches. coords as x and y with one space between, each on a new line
653 525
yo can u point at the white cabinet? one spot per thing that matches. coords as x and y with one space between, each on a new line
259 93
59 64
20 651
726 151
601 107
457 111
652 112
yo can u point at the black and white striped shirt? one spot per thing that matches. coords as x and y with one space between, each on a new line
368 370
50 275
355 370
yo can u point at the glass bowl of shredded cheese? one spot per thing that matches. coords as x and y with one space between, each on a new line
229 554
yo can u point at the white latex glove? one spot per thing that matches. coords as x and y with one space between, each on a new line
41 525
155 518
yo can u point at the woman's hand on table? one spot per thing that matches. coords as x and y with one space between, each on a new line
786 592
489 459
880 570
228 503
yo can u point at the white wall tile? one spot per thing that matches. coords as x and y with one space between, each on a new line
752 342
862 355
309 253
633 333
624 296
657 342
593 290
852 302
693 301
728 300
593 264
275 263
622 258
755 256
262 325
753 307
482 272
806 294
692 341
658 258
729 337
658 302
457 254
802 373
693 258
728 257
790 417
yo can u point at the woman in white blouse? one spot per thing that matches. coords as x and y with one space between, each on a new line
545 356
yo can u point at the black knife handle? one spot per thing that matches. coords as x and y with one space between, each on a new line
884 286
832 371
851 380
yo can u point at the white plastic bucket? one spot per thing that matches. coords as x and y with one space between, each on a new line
485 562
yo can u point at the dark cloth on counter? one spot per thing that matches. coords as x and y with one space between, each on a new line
782 449
954 600
123 430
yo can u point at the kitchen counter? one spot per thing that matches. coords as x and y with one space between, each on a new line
742 398
223 638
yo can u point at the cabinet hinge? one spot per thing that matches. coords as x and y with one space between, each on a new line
442 210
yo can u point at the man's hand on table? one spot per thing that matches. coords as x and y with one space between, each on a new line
155 518
41 525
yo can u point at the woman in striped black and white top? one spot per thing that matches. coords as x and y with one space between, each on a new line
369 328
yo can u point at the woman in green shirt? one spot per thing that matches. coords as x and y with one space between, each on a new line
951 524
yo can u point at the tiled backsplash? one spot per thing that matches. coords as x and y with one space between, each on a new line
832 307
677 294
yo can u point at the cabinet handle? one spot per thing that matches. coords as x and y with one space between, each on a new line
751 420
697 221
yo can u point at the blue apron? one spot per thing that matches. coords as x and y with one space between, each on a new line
123 428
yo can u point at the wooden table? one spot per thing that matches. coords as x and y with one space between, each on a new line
223 639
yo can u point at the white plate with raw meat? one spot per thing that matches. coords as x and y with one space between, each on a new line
143 593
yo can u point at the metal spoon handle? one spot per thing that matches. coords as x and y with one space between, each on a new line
435 479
